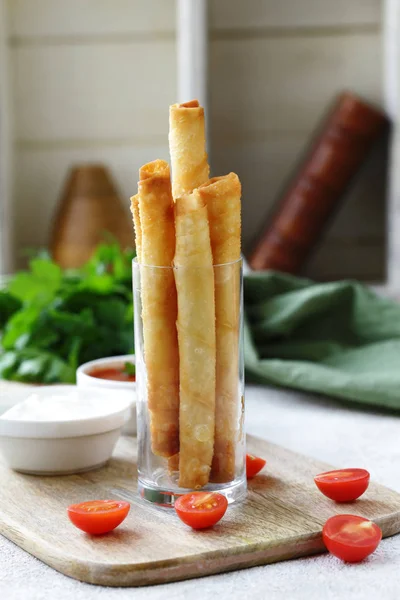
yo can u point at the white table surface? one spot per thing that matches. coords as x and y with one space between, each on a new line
317 427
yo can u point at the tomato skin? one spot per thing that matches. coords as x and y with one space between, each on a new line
201 509
343 485
98 516
254 464
351 538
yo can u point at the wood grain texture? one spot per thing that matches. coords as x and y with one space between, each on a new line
89 17
226 14
42 174
292 81
93 17
281 519
91 91
6 147
96 92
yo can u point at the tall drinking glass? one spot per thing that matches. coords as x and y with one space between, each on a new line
190 392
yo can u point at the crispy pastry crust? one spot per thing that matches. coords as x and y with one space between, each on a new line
194 278
187 143
222 196
159 306
137 226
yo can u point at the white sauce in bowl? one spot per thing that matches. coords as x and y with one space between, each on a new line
67 411
60 406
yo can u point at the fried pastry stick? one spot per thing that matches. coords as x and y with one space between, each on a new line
187 145
159 305
194 276
222 196
137 226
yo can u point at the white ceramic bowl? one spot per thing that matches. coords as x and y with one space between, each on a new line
12 394
85 379
68 439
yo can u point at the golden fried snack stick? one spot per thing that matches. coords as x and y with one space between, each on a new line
187 146
187 142
173 464
137 226
222 196
159 306
194 278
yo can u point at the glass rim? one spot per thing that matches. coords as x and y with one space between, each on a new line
136 263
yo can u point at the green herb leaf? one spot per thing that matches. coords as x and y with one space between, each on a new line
59 371
103 284
129 369
51 321
8 306
8 361
32 369
20 325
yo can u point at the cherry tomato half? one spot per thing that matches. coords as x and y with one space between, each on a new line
201 509
254 464
343 485
351 538
98 516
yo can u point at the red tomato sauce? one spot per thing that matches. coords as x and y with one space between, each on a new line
112 374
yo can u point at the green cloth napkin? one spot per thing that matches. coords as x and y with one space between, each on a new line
339 339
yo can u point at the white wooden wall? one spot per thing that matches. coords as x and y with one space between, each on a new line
392 99
92 81
275 66
6 150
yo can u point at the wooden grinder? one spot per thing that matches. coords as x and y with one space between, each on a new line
90 207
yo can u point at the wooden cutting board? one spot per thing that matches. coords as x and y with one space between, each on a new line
281 519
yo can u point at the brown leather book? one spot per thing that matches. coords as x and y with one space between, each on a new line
344 141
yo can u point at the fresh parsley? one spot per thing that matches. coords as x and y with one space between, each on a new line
51 321
129 369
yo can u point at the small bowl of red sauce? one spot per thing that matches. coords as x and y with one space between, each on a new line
113 373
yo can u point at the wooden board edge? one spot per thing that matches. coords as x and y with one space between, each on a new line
171 571
46 553
209 563
390 524
162 571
